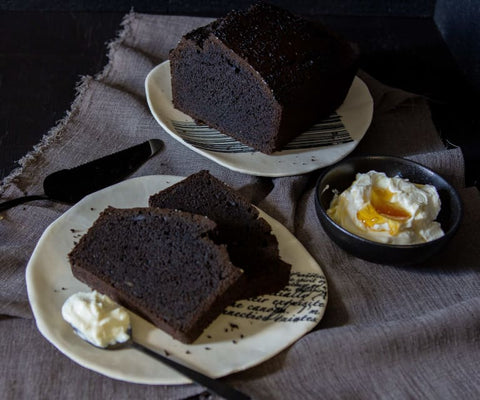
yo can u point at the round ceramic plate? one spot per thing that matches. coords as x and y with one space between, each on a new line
324 144
247 333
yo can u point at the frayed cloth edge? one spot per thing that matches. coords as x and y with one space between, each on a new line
80 89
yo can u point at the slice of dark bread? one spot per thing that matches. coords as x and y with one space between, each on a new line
249 239
160 264
262 76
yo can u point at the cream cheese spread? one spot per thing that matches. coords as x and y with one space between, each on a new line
96 318
388 210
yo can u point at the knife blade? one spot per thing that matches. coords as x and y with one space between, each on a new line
71 185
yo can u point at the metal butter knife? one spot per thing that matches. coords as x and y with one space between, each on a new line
71 185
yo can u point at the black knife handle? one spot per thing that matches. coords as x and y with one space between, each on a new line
71 185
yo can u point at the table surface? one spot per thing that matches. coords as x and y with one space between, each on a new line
44 54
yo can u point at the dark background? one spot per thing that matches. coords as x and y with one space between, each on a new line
430 47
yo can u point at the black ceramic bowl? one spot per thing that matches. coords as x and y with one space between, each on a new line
341 176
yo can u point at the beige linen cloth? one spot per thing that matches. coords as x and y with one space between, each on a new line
388 332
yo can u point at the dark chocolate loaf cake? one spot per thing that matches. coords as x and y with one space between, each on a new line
262 76
160 264
249 240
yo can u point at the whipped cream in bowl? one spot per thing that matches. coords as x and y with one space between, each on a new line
387 210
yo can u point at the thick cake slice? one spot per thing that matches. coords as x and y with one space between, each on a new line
262 76
249 240
160 264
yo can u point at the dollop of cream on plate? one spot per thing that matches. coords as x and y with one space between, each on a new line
97 318
388 210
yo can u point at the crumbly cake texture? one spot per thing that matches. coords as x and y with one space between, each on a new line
262 76
160 264
250 242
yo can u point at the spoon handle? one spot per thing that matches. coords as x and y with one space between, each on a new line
216 386
20 200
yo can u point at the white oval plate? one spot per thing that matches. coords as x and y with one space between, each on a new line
247 333
334 138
